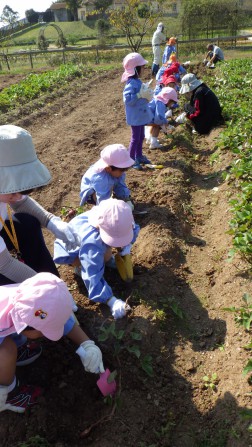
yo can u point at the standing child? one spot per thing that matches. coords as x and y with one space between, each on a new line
136 96
39 306
107 176
169 49
160 107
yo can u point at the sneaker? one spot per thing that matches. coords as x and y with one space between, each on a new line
155 145
137 165
28 353
23 397
144 160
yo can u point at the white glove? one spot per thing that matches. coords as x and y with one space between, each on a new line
118 307
168 114
63 231
208 64
130 204
4 406
181 119
167 128
91 357
126 250
145 92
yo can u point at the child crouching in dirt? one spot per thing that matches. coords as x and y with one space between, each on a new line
39 306
110 224
203 110
160 107
107 176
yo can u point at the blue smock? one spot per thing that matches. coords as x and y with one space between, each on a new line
102 184
158 110
136 109
91 254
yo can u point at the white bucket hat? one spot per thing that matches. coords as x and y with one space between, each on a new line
20 168
189 82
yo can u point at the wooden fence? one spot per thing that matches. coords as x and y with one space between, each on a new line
231 42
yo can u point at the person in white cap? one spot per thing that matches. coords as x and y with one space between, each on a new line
204 110
107 176
107 225
157 39
21 217
136 96
40 306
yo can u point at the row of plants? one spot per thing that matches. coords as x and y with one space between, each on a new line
34 85
234 91
233 87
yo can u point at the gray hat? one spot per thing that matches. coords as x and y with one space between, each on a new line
20 168
189 82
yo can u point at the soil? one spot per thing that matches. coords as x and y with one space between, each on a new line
182 282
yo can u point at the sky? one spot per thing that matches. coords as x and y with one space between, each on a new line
21 6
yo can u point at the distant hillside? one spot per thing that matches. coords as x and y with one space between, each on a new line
78 29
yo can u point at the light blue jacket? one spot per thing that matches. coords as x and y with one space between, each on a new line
136 109
169 49
91 254
103 184
158 110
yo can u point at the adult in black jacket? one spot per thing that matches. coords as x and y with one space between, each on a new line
204 109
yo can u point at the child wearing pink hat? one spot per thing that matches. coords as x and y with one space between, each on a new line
107 176
107 225
39 306
160 107
136 96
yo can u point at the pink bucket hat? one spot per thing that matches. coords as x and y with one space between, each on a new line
115 221
114 155
130 62
42 302
166 94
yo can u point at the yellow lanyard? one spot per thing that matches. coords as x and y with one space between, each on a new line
12 236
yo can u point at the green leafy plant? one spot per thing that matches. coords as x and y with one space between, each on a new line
210 381
123 340
35 441
243 315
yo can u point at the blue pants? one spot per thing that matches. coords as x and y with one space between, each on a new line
31 245
136 143
154 69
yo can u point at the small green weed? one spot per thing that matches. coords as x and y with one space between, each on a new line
210 381
243 315
35 441
123 340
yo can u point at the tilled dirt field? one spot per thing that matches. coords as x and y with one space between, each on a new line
182 283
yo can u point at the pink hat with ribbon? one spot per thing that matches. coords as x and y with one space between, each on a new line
42 302
114 219
114 155
130 62
167 94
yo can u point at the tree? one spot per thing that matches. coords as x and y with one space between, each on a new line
73 6
9 16
101 6
32 16
48 16
135 22
209 15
